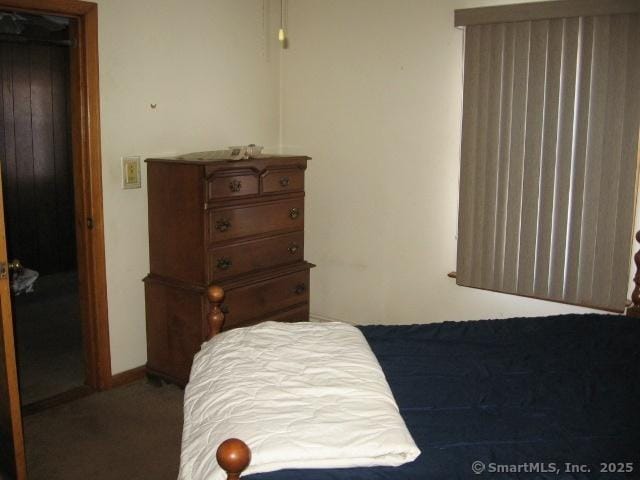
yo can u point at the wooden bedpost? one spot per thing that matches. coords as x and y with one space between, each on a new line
233 456
634 310
215 318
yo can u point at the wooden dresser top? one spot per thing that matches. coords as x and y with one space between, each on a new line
206 158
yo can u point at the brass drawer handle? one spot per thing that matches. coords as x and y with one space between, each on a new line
294 213
235 185
293 248
284 182
224 263
300 289
223 225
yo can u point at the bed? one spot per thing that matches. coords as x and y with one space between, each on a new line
548 397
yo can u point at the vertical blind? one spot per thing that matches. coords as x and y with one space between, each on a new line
549 157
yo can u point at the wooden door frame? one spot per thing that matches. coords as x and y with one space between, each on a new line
14 459
87 178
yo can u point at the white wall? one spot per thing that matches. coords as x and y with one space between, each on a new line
213 72
370 88
372 91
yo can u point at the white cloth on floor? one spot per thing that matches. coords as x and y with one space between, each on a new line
23 281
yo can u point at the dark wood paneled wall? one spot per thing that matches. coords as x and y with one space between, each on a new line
36 161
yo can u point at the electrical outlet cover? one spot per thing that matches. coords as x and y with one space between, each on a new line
131 177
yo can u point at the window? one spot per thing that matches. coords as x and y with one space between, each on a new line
549 150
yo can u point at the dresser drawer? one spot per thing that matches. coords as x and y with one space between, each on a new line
229 185
283 180
226 223
260 300
239 258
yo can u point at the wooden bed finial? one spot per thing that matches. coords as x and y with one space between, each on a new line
634 310
215 318
233 456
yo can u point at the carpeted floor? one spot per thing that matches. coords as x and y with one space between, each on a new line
132 432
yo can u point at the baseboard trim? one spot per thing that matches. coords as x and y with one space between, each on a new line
59 399
314 317
128 376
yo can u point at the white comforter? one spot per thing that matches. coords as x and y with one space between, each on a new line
302 395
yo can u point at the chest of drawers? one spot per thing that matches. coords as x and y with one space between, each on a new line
238 224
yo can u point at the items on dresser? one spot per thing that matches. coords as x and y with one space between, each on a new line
238 224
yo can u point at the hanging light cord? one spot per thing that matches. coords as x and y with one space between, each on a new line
281 34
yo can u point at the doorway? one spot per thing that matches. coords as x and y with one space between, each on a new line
84 118
37 175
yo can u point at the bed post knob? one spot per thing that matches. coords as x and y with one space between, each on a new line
634 309
233 456
215 294
215 318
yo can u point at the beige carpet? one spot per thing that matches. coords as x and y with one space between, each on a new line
128 433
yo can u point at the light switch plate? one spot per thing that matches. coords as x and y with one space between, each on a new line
131 172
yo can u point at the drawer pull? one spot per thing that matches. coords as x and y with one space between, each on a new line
224 263
235 185
293 248
223 225
284 182
294 213
300 289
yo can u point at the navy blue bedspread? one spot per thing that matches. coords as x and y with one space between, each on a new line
526 393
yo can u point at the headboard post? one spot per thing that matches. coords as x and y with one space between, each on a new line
634 310
215 317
